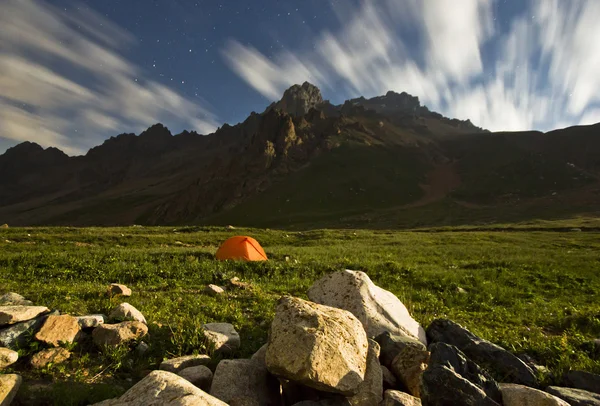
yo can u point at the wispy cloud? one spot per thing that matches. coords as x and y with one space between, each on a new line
64 81
542 73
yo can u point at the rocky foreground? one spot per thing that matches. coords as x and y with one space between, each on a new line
352 344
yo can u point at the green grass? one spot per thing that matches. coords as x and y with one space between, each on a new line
532 292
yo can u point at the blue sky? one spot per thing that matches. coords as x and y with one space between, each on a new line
75 73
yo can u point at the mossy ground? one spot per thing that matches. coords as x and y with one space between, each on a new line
533 292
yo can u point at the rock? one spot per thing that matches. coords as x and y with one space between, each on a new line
242 380
4 226
519 395
298 100
141 348
14 299
17 335
90 321
9 386
214 290
575 397
323 402
392 345
318 346
51 355
482 351
408 366
116 334
583 380
7 357
452 379
58 329
117 289
221 337
126 312
164 388
199 375
389 380
377 309
236 283
177 364
370 392
16 313
397 398
259 356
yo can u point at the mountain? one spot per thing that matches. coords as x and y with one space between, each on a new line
385 162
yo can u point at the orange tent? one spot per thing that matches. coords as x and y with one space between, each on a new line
241 247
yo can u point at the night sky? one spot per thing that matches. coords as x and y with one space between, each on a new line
74 73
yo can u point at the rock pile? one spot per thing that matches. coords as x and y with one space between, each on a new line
354 344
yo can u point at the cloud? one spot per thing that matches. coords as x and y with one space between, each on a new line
64 82
538 73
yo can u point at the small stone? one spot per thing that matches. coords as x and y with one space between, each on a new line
259 356
520 395
389 380
214 290
126 312
51 355
236 283
58 329
90 321
221 337
575 397
19 334
15 314
116 334
9 385
583 380
177 364
397 398
141 348
117 289
199 375
7 357
4 226
14 299
243 382
408 367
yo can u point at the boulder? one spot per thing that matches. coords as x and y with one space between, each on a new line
452 379
15 313
90 321
7 357
318 346
126 312
259 356
242 381
14 299
370 392
164 388
575 397
51 355
117 289
397 398
177 364
408 367
377 309
221 337
199 375
17 335
482 351
116 334
214 290
583 380
58 329
9 386
519 395
393 344
389 379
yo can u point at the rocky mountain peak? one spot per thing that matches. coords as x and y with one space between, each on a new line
299 99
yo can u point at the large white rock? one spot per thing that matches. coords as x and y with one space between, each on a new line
164 388
126 312
376 308
520 395
241 381
17 313
318 346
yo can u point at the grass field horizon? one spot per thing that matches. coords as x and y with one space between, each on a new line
530 287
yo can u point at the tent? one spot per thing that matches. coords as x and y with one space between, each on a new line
242 248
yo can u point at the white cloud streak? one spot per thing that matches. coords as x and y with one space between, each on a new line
43 51
543 72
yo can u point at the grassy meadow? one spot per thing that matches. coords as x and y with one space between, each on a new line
532 291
